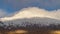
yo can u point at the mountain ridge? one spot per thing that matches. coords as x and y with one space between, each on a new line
33 12
34 20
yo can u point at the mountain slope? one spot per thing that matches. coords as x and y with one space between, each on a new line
33 12
34 20
33 15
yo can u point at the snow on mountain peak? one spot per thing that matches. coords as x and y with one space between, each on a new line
33 12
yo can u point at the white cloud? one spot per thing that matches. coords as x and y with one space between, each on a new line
34 12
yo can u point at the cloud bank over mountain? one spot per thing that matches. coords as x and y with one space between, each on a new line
34 12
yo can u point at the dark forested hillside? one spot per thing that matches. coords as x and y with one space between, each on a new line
31 28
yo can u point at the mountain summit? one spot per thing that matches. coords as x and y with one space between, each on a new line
32 12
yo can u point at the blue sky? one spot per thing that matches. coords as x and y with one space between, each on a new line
16 5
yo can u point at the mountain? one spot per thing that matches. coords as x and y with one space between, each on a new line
34 20
32 12
33 15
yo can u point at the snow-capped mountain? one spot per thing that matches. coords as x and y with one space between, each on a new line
33 15
34 20
33 12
